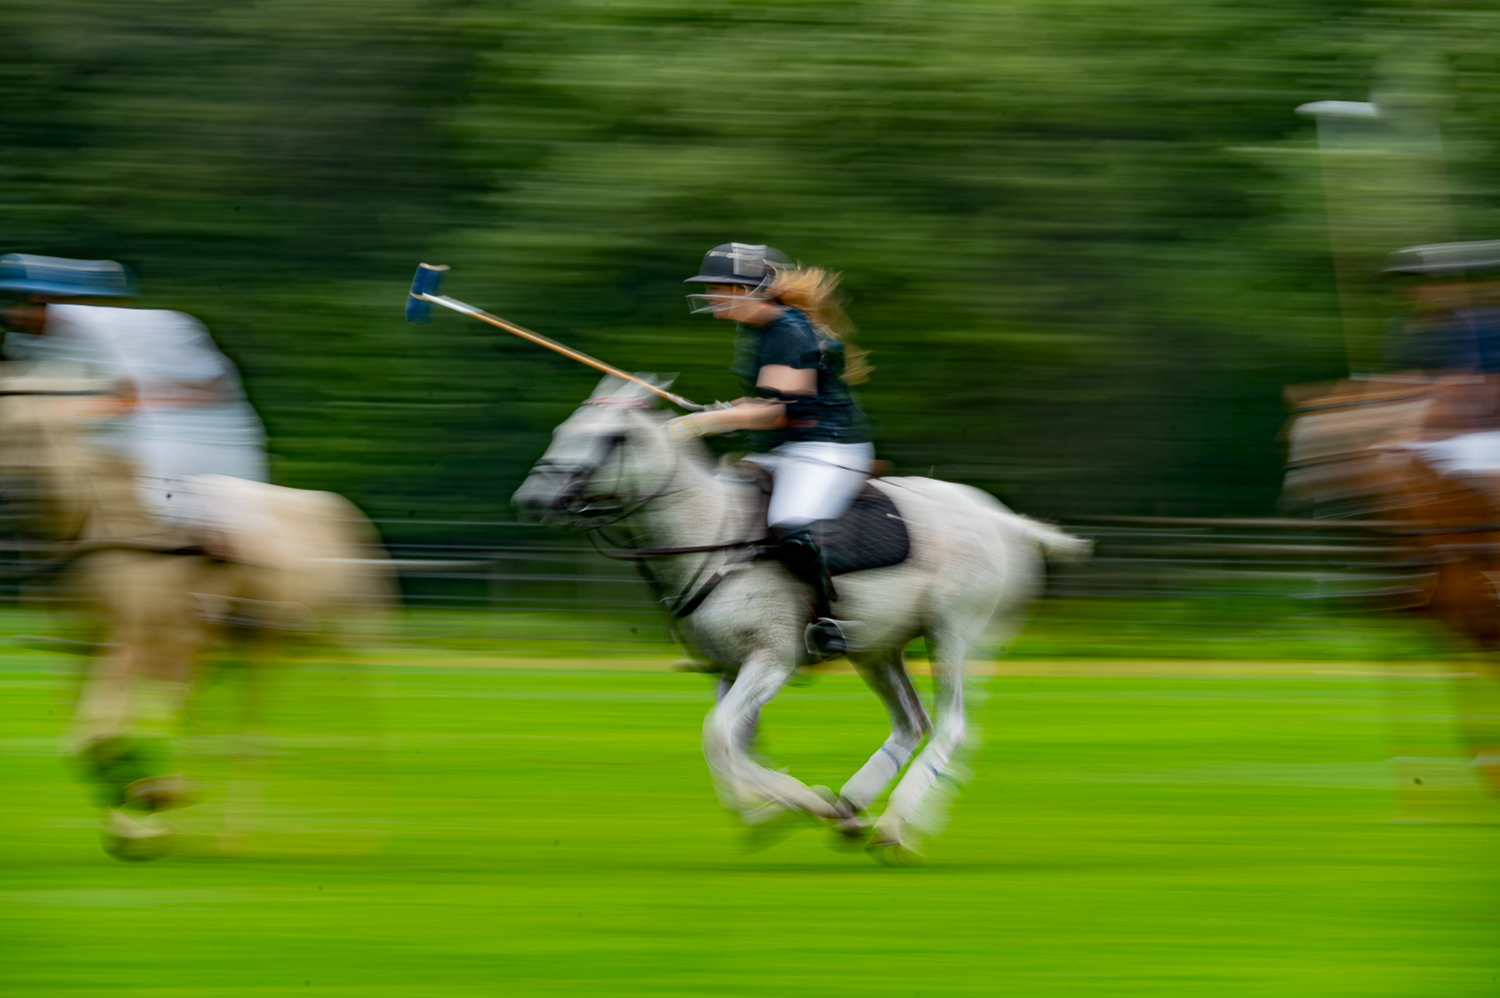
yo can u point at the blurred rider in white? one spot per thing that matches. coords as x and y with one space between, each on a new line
182 410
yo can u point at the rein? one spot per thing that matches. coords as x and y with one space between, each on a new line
83 549
624 552
594 516
695 592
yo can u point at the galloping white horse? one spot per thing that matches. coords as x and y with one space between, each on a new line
972 562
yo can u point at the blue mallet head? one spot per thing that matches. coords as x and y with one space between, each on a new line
428 279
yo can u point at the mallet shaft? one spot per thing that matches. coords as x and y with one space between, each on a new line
542 341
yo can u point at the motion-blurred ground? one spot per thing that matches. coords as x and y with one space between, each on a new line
488 826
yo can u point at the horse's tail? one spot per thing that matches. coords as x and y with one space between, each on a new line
1054 543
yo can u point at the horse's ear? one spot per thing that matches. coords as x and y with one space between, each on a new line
662 381
620 390
608 387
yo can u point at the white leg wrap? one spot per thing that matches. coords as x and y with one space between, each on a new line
881 769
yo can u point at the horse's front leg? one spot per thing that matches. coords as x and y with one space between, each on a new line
743 784
122 734
885 674
750 730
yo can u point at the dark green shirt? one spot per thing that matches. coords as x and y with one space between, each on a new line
831 413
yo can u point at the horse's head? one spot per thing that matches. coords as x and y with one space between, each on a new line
606 459
50 474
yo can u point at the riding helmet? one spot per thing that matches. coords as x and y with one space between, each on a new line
59 277
745 264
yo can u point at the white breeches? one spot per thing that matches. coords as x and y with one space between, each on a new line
1468 453
815 480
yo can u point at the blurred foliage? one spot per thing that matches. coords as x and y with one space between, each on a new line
1086 241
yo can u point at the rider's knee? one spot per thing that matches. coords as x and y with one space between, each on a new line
798 550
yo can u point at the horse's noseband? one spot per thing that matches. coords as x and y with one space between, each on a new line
572 497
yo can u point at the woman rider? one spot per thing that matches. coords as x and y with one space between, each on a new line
797 367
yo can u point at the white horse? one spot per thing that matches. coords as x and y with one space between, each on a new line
972 563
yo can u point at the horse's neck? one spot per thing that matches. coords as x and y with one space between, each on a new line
106 502
698 509
115 508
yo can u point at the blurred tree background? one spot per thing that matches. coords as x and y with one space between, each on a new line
1085 240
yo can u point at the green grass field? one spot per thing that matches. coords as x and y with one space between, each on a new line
521 831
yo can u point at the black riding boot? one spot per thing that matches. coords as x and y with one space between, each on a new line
800 553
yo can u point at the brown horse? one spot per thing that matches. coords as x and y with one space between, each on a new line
1354 450
268 563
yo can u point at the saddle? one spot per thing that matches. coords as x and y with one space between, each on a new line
870 533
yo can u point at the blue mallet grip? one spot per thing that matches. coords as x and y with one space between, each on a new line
428 279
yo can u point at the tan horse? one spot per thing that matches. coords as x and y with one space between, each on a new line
1354 450
269 563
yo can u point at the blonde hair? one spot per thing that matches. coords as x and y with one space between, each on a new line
813 291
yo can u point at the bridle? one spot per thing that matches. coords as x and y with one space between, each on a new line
596 512
591 510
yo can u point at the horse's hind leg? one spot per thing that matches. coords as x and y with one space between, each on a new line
885 674
917 803
742 783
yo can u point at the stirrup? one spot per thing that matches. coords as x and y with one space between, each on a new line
825 639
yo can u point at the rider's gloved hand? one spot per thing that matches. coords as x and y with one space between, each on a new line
688 427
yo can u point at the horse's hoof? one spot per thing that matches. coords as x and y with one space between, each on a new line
768 824
161 793
132 841
850 833
838 809
892 852
850 826
890 846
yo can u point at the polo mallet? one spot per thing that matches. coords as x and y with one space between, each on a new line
1384 182
424 288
